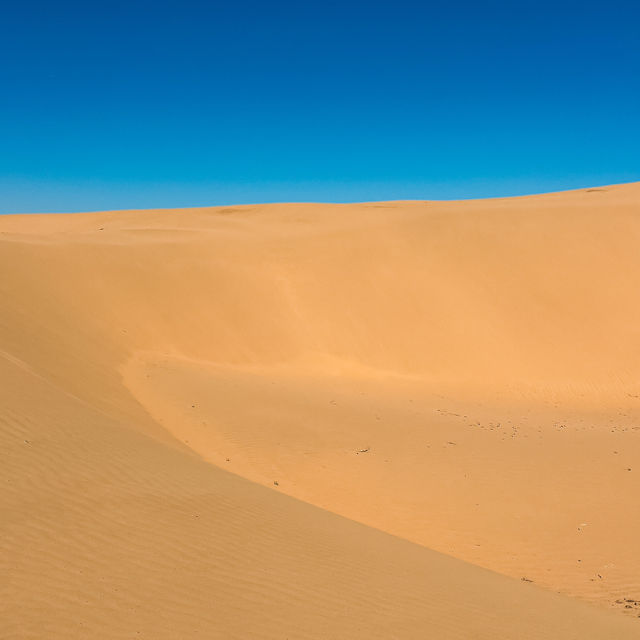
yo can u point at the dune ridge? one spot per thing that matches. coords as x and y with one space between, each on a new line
443 392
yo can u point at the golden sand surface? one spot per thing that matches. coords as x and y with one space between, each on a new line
379 420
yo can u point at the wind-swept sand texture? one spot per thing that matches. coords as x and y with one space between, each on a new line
211 421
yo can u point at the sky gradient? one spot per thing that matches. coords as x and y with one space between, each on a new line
166 104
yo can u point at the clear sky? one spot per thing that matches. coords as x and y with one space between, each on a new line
107 105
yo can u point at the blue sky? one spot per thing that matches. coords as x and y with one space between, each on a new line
162 104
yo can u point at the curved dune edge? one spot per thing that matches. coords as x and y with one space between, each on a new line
316 342
531 490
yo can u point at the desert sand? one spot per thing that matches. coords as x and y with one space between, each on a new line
380 420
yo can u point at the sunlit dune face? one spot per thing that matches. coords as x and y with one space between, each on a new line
317 421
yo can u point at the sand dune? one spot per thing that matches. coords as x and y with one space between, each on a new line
384 420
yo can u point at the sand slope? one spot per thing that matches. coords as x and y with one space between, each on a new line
462 375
